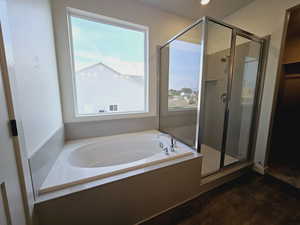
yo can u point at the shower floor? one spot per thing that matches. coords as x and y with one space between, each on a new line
211 160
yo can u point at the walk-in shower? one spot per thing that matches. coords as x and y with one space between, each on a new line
210 83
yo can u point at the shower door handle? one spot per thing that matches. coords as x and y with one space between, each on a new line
223 98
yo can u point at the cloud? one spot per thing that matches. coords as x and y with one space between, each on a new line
123 67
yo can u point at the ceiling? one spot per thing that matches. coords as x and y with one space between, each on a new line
194 10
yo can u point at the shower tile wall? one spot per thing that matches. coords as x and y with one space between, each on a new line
215 86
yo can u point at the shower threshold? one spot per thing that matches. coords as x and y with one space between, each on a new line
211 160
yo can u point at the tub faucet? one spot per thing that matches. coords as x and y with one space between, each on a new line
161 145
166 150
172 144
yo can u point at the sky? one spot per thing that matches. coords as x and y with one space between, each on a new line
184 65
93 42
123 50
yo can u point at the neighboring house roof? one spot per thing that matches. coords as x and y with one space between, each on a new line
98 64
107 67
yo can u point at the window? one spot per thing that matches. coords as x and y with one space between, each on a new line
110 65
184 69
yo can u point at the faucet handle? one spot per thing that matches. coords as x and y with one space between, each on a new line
161 145
166 150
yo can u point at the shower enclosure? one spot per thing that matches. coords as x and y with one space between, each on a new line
210 85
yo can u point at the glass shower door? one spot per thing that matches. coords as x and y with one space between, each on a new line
241 102
217 67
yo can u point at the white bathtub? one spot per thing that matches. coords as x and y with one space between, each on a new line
96 158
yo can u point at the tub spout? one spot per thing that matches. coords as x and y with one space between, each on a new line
173 144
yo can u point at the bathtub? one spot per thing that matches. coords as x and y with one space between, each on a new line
90 159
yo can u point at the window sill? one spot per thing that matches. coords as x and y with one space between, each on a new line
90 118
187 109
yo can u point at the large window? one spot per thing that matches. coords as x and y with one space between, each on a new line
110 65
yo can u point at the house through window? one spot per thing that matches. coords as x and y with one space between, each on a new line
110 65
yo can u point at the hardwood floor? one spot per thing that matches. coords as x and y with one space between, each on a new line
249 200
286 172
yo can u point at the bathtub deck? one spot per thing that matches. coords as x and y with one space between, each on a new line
64 175
61 192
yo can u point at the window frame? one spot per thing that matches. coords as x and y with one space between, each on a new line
72 12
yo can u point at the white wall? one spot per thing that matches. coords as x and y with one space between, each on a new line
264 17
162 26
36 70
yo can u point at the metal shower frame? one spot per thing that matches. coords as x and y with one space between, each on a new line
258 90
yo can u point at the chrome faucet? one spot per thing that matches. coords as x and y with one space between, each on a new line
172 144
166 150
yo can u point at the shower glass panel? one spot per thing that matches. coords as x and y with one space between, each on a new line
209 89
241 104
179 82
217 65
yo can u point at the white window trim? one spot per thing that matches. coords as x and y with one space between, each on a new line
120 23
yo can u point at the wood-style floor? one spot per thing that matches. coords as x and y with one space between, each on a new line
286 172
249 200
